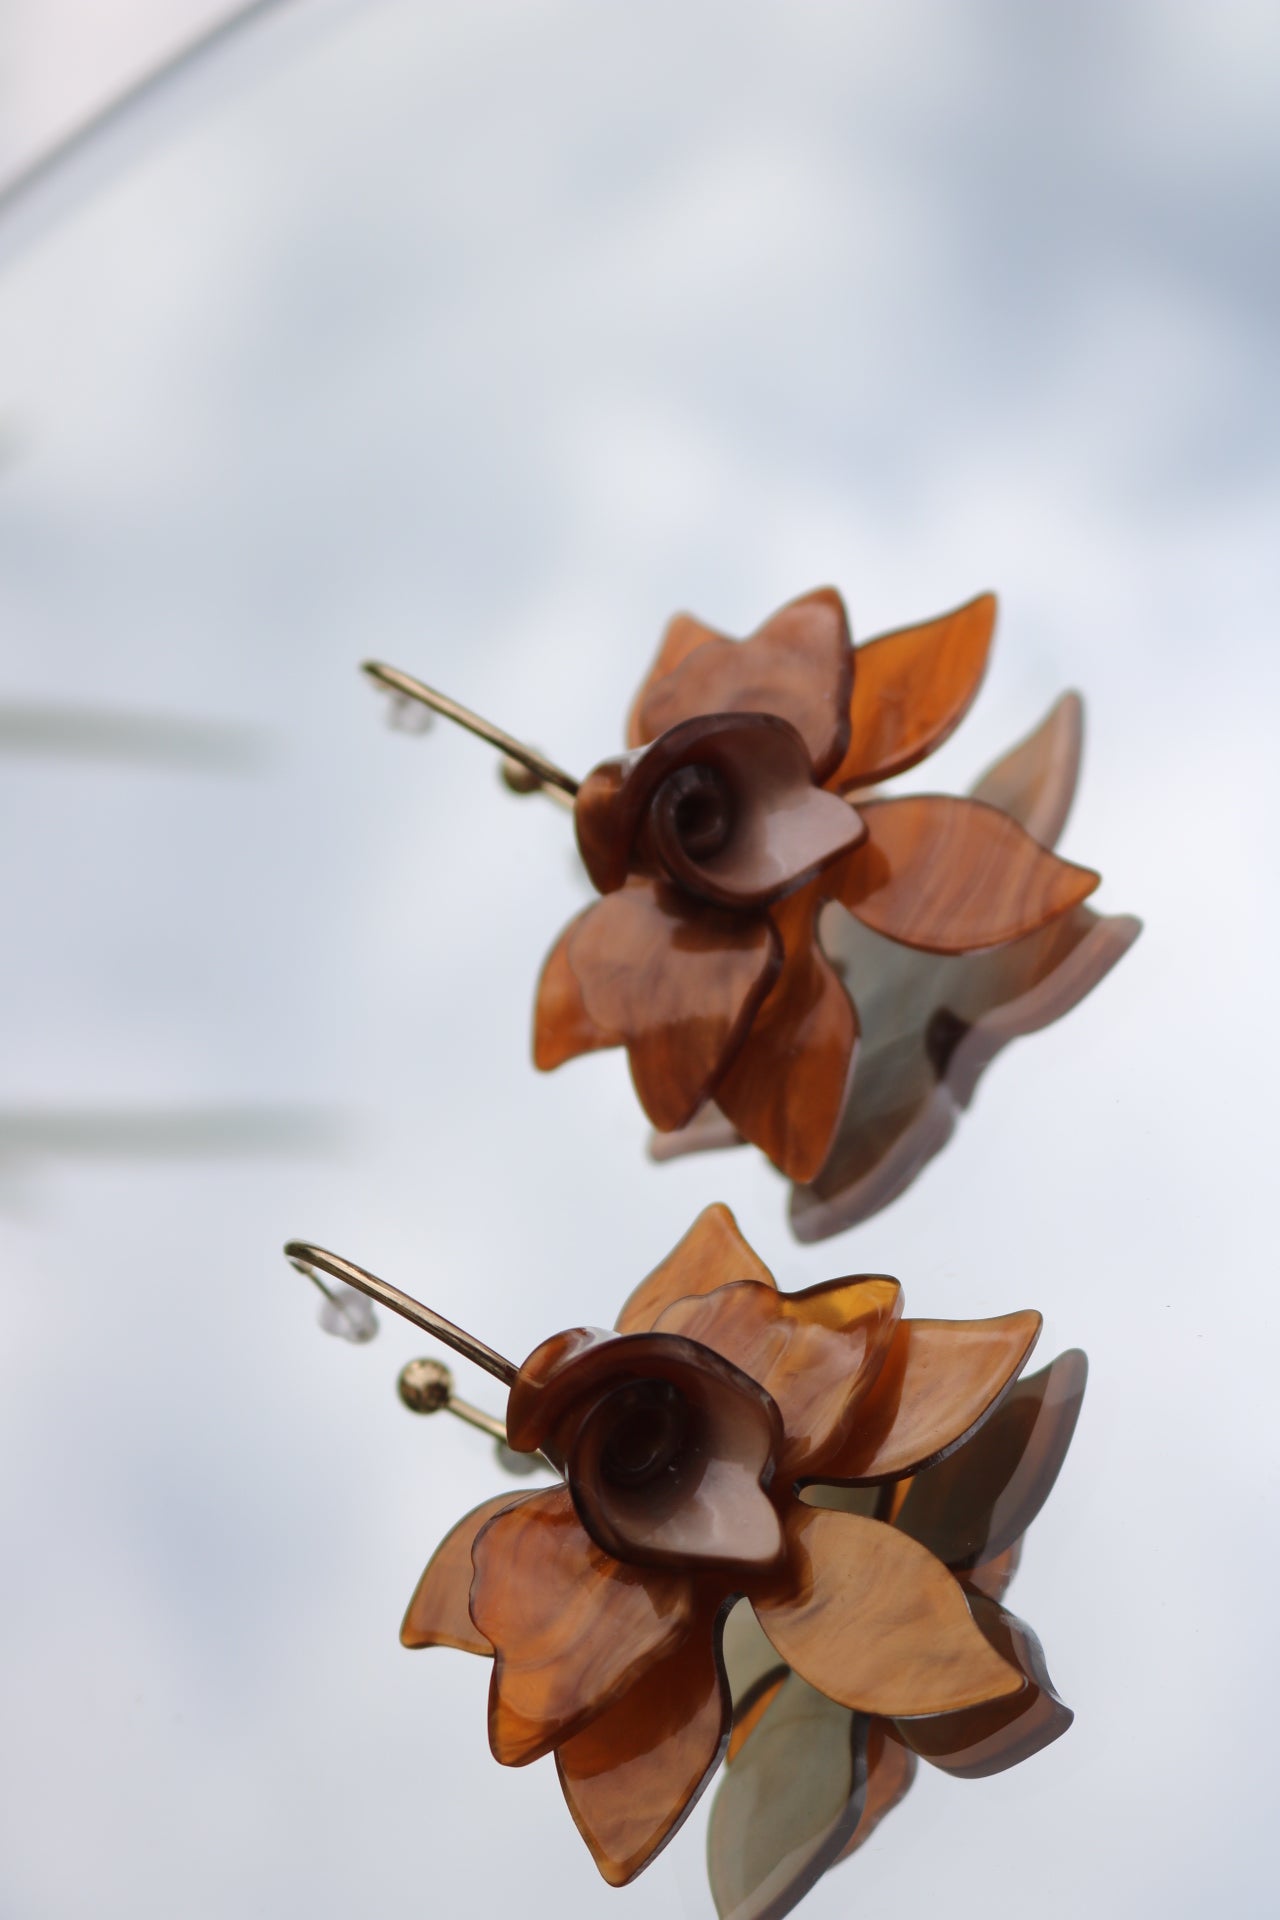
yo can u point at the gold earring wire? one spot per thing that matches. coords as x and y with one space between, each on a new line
524 769
312 1260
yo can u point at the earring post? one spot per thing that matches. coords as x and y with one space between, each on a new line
305 1256
547 773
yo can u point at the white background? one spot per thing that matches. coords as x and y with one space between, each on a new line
482 336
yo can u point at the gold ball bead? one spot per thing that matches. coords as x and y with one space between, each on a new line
425 1385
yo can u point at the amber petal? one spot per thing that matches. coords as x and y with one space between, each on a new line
682 636
571 1629
869 1617
562 1027
981 1499
952 875
940 1380
891 1768
787 1804
798 665
438 1614
1035 782
986 1739
787 1083
712 1253
815 1353
679 982
912 688
632 1776
993 1577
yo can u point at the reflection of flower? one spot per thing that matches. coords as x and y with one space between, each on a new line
717 840
685 1438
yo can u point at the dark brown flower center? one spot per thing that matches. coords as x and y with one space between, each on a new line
695 802
647 1426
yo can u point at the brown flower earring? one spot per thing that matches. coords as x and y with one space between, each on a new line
779 1533
789 957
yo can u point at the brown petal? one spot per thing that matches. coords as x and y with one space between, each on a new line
438 1614
994 1577
633 1775
798 665
707 1132
891 1768
978 1502
682 636
875 1622
984 1740
724 803
953 875
571 1629
679 982
790 1799
1035 782
786 1086
711 1253
930 1027
815 1353
911 689
562 1027
941 1379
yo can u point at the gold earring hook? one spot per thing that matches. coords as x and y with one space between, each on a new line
313 1260
525 770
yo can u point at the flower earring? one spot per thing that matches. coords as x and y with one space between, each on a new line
779 1533
789 957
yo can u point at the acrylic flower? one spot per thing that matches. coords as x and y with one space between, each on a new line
719 837
931 1024
687 1438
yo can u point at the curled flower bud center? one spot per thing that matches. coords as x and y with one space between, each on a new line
697 802
648 1424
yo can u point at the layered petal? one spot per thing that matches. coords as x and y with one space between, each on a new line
712 1253
682 636
789 1801
815 1353
798 665
930 1028
439 1614
633 1775
1035 781
952 876
678 982
987 1739
978 1502
786 1085
571 1629
871 1619
940 1380
891 1769
562 1027
911 690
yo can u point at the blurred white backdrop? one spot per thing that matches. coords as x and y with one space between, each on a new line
482 337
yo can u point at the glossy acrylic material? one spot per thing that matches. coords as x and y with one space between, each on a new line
871 1617
788 1804
638 1638
998 1734
799 665
846 1067
676 980
815 1353
571 1628
940 1379
712 1253
633 1775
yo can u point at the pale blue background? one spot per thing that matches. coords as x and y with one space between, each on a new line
482 336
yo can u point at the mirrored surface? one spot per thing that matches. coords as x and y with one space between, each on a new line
482 339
